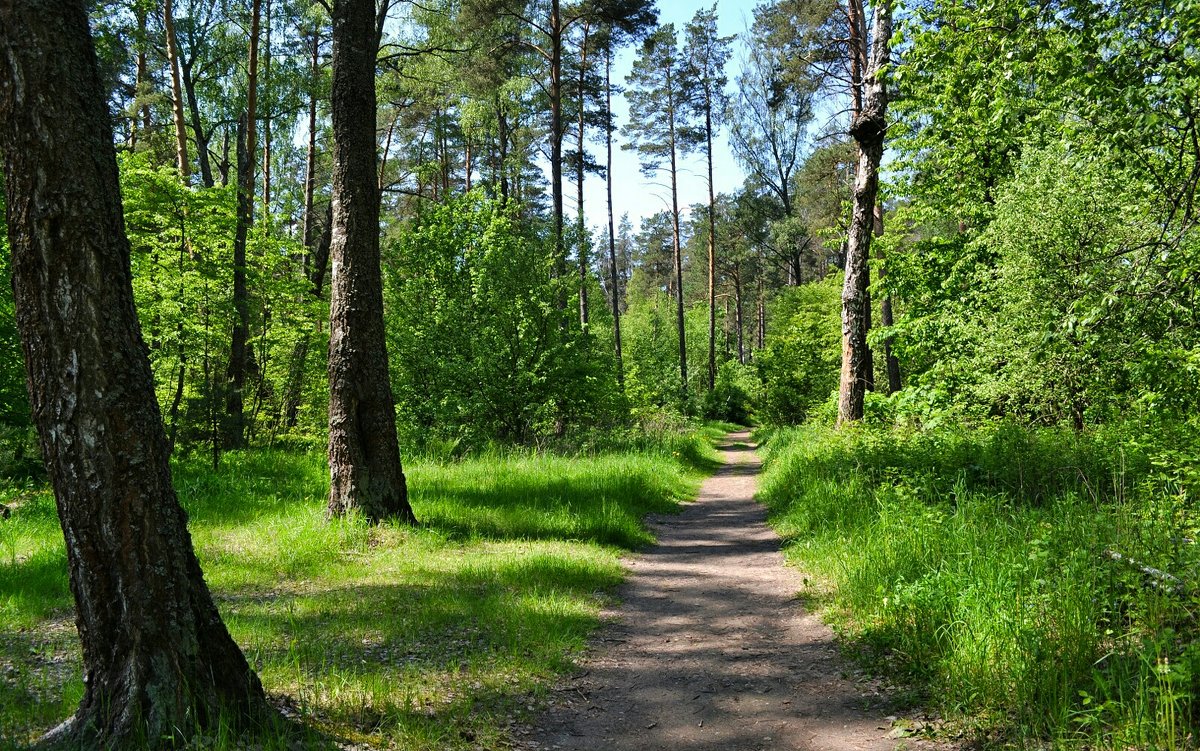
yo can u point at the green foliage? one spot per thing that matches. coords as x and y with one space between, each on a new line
479 351
735 394
975 565
799 367
181 239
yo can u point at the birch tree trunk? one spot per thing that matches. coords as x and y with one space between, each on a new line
158 661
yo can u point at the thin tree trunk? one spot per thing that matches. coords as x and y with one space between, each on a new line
266 140
364 455
556 139
737 311
612 232
239 356
310 170
885 315
712 247
579 177
189 89
143 80
868 129
678 251
181 150
158 663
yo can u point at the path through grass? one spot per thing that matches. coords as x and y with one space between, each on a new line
432 638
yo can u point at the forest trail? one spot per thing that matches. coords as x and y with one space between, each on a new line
710 648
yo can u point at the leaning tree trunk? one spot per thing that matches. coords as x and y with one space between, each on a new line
364 454
158 663
868 129
181 152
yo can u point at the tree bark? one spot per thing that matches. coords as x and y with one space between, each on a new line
868 130
556 139
364 454
158 661
885 316
678 250
239 356
712 244
181 150
612 232
202 156
579 178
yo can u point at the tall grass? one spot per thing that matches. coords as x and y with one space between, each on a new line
438 637
975 566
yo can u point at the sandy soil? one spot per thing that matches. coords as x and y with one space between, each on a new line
710 648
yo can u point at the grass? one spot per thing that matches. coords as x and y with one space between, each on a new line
973 567
440 637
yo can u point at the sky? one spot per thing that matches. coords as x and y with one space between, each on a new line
633 193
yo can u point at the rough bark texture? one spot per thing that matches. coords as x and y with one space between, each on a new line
158 661
364 456
868 129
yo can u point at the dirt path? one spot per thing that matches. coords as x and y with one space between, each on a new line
710 649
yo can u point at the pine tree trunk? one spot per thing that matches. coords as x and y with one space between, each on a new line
579 177
712 248
364 455
868 130
158 661
678 250
612 232
556 139
181 150
737 311
202 156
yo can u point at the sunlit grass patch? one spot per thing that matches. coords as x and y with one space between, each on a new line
435 637
973 567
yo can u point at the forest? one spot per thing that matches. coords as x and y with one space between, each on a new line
345 346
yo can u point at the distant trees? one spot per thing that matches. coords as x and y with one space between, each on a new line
158 661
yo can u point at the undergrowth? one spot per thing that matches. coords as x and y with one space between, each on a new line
977 567
440 637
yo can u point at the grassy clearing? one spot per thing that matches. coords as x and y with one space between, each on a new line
435 638
973 567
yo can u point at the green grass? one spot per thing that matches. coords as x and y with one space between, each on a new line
971 566
432 638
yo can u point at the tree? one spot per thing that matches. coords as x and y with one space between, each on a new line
704 74
868 128
658 130
158 661
364 453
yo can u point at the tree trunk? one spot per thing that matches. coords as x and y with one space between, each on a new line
310 170
712 247
181 150
556 139
266 141
579 177
158 662
612 232
678 251
189 89
737 311
885 315
868 130
364 455
239 356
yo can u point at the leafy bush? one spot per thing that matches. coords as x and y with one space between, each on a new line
801 362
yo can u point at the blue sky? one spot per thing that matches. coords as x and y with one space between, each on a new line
640 196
